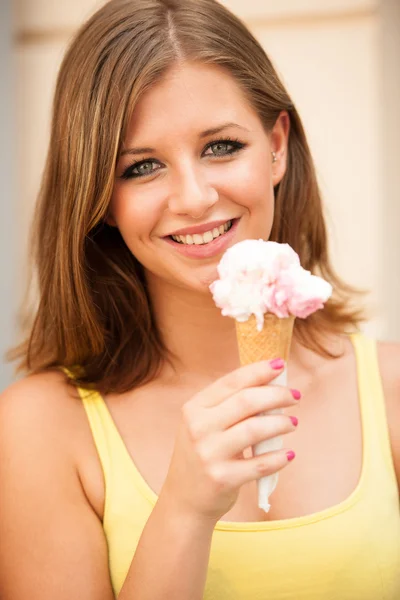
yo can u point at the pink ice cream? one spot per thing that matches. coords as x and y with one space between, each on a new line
257 277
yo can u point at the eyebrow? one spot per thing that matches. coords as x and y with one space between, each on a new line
203 134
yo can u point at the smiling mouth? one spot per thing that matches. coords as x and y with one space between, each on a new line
200 239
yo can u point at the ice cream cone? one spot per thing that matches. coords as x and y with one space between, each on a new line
263 286
273 341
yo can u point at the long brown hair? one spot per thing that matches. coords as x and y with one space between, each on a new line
94 314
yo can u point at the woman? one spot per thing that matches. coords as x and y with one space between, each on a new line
126 461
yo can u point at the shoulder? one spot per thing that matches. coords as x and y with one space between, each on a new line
38 403
37 415
43 422
389 363
389 366
40 385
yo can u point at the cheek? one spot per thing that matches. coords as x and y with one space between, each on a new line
136 212
249 182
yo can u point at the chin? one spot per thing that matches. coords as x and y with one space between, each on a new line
200 282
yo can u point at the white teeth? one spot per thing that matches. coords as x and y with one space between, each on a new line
204 238
198 239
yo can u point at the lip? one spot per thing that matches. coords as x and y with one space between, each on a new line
217 246
200 228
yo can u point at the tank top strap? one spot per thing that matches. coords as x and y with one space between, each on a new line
372 399
100 426
113 453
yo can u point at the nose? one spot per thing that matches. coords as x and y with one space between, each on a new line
192 194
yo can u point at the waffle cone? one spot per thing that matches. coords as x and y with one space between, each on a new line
273 341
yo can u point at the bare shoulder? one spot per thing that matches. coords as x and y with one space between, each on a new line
44 399
44 408
389 365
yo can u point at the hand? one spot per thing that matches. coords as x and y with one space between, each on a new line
207 467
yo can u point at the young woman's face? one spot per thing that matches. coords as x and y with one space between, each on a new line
196 165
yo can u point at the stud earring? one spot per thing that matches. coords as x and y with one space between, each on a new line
274 159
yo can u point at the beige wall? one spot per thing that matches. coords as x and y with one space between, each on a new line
8 243
340 66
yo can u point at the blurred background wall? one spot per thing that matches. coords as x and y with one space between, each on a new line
340 62
9 226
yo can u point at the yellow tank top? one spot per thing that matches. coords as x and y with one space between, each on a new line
350 551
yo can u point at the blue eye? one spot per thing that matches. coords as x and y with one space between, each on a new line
139 169
220 148
225 147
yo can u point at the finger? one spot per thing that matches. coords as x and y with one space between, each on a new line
250 432
254 375
234 474
269 463
250 402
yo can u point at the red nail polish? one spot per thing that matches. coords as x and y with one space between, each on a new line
296 394
290 455
294 420
277 364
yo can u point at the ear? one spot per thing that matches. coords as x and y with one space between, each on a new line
279 144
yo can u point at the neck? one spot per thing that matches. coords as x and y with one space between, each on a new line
201 341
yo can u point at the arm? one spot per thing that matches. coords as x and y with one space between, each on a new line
179 547
389 363
52 542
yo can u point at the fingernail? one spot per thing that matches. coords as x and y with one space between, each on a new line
294 420
290 455
296 394
277 364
